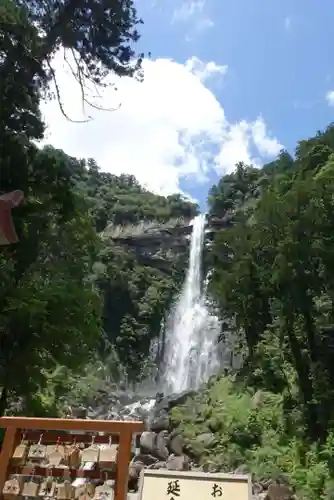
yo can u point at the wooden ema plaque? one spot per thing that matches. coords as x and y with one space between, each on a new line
174 485
47 454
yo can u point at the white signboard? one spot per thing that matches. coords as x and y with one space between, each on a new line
174 485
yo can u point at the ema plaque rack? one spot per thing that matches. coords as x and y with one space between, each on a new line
66 459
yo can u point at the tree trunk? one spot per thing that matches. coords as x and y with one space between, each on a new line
305 382
3 401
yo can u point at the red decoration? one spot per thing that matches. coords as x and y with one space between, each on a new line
7 230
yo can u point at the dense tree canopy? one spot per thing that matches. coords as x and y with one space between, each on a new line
66 292
95 38
69 292
273 273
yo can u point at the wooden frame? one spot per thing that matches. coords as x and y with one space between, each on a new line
53 428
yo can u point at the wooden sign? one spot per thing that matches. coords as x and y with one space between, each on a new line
174 485
7 230
53 431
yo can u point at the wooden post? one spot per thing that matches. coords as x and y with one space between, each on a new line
123 462
6 453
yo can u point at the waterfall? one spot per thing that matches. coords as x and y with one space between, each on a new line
192 331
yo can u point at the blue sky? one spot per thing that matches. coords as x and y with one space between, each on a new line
278 52
271 61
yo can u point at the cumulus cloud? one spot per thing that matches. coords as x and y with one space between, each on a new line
266 146
246 142
205 71
168 127
330 98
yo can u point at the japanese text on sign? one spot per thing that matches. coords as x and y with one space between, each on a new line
217 491
193 485
174 490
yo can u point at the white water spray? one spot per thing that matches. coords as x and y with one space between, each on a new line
191 336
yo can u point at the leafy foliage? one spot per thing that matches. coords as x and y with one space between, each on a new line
135 295
123 201
66 293
95 38
248 432
100 32
273 279
50 309
68 297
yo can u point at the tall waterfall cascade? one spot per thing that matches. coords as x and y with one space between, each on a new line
192 329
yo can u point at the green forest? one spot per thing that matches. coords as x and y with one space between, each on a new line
272 279
70 297
76 305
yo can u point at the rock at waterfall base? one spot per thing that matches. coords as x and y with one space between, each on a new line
160 423
161 450
148 442
207 439
175 444
165 445
179 463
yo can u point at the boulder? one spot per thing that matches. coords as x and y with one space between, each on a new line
279 492
79 412
161 450
175 444
148 442
145 459
207 439
169 402
179 463
160 423
135 469
158 465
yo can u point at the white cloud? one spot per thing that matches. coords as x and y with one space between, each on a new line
330 98
168 127
244 141
267 146
204 71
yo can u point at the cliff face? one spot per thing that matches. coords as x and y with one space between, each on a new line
159 245
141 263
